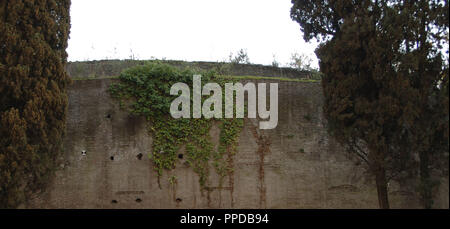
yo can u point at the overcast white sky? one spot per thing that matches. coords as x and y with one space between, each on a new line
203 30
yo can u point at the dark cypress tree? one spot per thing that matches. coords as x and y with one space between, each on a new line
424 26
379 77
33 99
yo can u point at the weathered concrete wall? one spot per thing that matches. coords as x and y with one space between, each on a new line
296 165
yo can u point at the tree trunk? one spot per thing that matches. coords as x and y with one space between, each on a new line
425 181
380 178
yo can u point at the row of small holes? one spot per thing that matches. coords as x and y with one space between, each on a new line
139 157
138 200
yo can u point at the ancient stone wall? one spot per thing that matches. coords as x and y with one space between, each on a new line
296 165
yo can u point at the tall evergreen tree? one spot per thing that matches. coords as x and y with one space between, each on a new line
381 65
424 29
33 99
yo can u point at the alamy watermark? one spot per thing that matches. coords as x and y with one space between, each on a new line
215 101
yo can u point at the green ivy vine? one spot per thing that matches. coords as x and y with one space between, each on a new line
146 92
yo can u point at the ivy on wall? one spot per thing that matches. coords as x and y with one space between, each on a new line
146 91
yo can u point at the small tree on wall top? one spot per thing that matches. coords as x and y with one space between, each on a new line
33 100
241 57
300 62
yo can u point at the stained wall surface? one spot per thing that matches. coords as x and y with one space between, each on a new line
296 165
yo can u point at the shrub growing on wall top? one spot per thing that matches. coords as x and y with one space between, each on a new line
33 100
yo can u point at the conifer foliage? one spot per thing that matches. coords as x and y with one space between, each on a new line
385 80
33 99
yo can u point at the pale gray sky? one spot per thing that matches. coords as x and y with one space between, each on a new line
203 30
